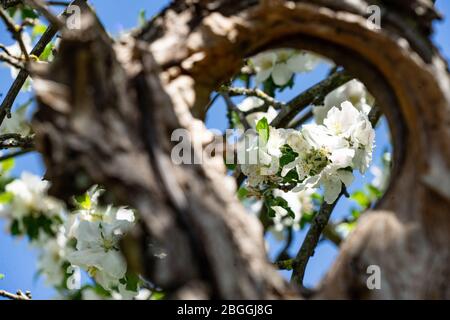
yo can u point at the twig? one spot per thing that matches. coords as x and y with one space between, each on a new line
18 296
15 154
12 62
232 107
5 107
297 123
311 240
15 140
42 8
312 95
16 31
234 91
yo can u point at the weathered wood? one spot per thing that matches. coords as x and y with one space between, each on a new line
111 116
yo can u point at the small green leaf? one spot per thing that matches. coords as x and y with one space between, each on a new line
271 201
15 228
47 53
361 198
28 13
307 217
263 129
2 276
7 164
84 201
6 197
374 191
242 193
38 30
288 155
132 282
157 295
142 20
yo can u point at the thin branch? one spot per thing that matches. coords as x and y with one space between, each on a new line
313 95
5 107
284 254
41 7
311 240
16 32
234 91
11 61
18 296
15 140
232 107
15 154
300 121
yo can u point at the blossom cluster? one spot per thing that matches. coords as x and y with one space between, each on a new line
321 154
86 238
317 155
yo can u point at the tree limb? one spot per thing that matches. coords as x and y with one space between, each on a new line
18 296
312 95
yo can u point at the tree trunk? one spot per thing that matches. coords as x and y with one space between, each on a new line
107 111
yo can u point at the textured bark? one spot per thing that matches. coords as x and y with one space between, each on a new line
107 111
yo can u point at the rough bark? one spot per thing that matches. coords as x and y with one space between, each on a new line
107 111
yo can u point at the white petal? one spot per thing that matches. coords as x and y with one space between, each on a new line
281 74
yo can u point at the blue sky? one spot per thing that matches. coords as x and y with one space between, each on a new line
18 260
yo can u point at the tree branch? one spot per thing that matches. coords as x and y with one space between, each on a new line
5 107
18 296
234 91
311 240
315 94
14 140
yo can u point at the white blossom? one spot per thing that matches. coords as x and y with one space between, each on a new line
281 65
29 197
353 91
251 103
97 250
52 257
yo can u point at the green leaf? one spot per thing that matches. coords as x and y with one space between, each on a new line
263 129
47 53
230 166
242 193
157 296
38 30
27 12
307 217
271 201
7 164
269 87
6 197
84 201
142 20
235 121
374 191
132 282
361 198
2 276
15 228
355 213
288 155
